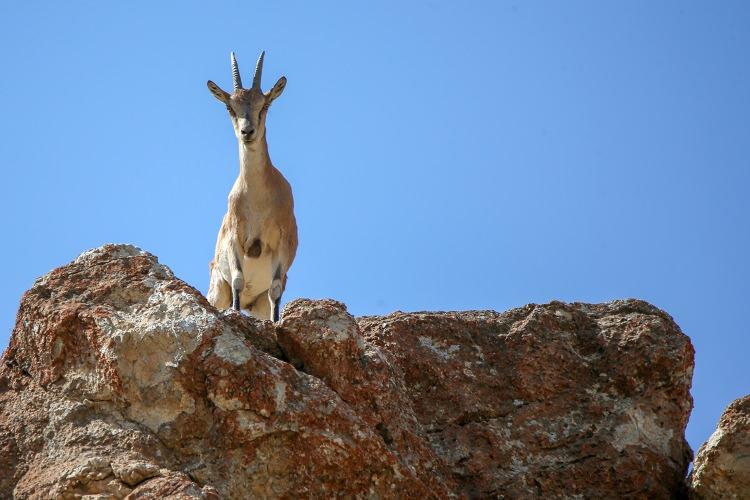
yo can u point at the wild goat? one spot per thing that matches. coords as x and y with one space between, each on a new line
257 241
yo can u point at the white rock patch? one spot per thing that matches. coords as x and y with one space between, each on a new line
642 429
231 348
443 352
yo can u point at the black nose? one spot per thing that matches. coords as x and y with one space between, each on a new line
248 132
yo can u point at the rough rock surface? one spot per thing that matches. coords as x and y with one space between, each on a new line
722 465
577 399
122 381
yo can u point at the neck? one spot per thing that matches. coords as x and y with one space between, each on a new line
254 158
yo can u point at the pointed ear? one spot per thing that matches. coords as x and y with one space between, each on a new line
217 92
277 89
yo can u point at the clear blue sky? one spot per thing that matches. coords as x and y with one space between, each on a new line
443 155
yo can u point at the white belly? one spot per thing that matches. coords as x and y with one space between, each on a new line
258 274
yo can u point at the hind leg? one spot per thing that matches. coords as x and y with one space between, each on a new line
219 292
261 308
274 297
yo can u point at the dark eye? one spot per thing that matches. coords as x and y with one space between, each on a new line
231 111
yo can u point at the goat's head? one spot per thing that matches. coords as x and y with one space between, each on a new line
248 107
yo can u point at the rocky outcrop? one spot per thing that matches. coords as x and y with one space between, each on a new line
722 465
122 381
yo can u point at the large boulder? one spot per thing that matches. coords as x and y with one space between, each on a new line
549 400
722 465
122 381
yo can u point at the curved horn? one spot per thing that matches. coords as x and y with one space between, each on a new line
236 74
258 71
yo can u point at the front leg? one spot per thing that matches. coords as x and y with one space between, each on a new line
261 308
219 291
276 310
274 295
236 296
238 279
